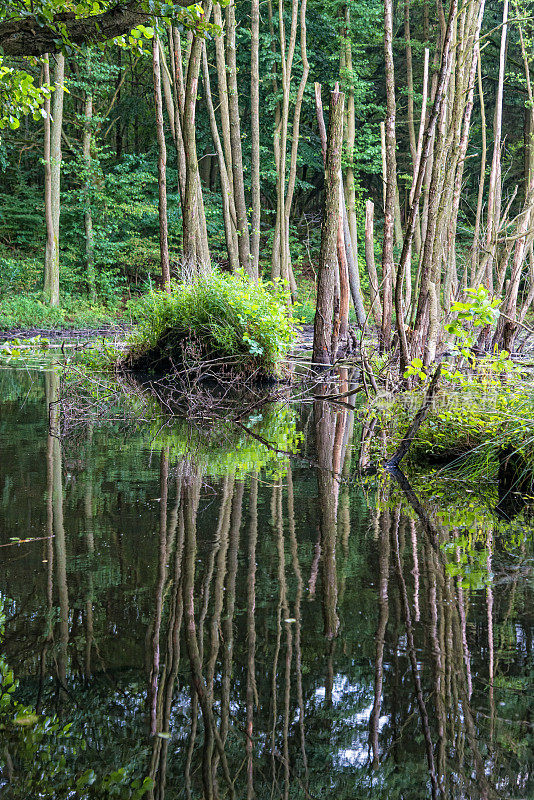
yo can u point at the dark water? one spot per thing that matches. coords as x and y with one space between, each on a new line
230 621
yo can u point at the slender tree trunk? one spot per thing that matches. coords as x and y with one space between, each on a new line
409 79
162 169
350 136
346 259
88 214
324 316
175 106
376 305
255 135
243 241
224 177
47 180
494 189
190 213
475 250
295 138
441 88
391 179
53 183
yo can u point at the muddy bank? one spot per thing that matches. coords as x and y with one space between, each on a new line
61 334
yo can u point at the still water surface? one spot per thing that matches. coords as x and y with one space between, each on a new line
257 626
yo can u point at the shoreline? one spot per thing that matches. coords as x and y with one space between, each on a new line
61 334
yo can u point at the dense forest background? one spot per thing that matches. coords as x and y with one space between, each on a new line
249 58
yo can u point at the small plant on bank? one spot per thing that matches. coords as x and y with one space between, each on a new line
224 319
484 407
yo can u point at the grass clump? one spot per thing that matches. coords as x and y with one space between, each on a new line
224 319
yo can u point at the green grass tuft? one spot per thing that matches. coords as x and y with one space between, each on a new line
226 316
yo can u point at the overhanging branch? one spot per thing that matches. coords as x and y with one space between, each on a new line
26 37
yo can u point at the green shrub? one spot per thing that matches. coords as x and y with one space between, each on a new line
226 316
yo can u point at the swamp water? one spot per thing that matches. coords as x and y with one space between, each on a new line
228 620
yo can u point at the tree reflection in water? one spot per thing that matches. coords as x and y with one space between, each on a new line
266 633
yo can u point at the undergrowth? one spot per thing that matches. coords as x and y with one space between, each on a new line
220 316
29 311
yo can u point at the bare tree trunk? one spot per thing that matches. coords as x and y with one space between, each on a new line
224 177
162 170
190 206
391 179
87 183
344 293
175 106
53 129
494 191
524 234
441 87
346 258
295 138
255 135
350 137
376 305
88 215
243 240
47 177
475 250
324 316
409 79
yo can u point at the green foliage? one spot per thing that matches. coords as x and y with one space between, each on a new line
19 96
228 315
31 312
223 448
481 310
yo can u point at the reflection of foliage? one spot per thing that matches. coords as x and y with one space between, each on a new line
262 437
38 754
467 562
264 442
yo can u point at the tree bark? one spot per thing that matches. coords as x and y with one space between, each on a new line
324 316
225 179
162 169
192 257
243 240
53 186
391 179
88 214
255 135
494 190
376 305
25 36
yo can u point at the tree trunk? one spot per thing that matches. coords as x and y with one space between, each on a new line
494 192
88 214
346 259
441 87
255 135
323 336
190 211
53 129
162 170
225 179
376 305
243 240
391 179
